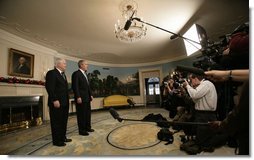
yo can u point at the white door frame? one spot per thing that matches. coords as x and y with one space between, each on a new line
148 73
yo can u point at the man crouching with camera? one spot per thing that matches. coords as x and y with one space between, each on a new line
204 95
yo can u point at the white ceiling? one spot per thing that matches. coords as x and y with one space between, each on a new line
85 28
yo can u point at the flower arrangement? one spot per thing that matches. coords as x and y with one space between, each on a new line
21 81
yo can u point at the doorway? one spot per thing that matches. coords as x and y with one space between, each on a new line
150 85
152 88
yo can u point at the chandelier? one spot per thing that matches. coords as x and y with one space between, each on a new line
137 29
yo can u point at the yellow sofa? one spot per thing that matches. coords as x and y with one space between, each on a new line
117 100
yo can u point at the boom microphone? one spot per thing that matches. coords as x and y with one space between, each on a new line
115 115
191 70
128 22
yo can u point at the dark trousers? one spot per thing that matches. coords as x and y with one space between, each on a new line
84 116
204 134
244 121
58 122
243 142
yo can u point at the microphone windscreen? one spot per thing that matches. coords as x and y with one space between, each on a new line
194 70
127 25
174 36
114 114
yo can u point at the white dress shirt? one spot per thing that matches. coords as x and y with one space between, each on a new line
59 71
84 75
204 96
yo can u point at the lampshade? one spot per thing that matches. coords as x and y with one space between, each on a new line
198 34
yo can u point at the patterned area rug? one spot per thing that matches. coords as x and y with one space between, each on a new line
134 136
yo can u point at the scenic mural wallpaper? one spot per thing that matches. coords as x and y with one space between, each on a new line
105 81
111 84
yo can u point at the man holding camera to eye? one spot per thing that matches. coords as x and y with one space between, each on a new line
168 86
204 95
174 98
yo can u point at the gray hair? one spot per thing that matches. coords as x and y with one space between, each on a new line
58 61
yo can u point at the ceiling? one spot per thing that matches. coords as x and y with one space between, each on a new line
85 28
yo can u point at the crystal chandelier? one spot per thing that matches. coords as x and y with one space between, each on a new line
137 29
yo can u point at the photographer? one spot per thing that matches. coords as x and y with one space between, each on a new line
185 111
164 97
168 97
181 100
233 54
237 121
204 95
168 87
236 56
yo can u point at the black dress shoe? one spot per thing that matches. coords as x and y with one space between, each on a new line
84 133
59 144
67 140
90 130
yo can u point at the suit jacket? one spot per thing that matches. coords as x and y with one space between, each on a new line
57 88
80 86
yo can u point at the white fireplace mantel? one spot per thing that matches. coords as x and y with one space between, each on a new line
16 89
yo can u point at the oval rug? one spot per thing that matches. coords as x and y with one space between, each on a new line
134 136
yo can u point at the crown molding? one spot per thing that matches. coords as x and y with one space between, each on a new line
9 37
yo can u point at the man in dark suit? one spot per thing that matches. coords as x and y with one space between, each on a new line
83 98
58 102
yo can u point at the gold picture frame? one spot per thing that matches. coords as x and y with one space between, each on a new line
20 64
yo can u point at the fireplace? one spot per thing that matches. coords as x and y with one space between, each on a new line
20 112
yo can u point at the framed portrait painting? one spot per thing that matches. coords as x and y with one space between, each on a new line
20 63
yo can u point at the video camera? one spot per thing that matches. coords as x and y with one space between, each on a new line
212 52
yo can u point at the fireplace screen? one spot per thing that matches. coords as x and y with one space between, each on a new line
20 112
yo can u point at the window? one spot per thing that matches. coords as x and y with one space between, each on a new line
154 86
157 89
151 89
